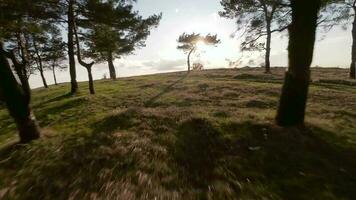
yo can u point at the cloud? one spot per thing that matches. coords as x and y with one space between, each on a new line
165 65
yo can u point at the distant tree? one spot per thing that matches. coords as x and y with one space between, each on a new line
347 10
188 43
88 66
339 13
260 19
117 30
54 53
39 38
351 4
198 67
302 31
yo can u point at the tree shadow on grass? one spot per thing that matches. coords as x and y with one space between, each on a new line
169 88
135 119
294 163
263 78
111 123
68 165
47 115
198 148
256 160
58 98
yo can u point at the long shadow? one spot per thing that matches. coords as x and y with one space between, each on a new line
335 82
55 99
198 148
59 98
299 163
151 101
65 169
112 123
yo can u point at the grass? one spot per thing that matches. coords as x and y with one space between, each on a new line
208 135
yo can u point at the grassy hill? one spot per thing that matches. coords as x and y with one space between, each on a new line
208 135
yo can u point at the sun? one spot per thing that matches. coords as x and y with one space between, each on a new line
201 45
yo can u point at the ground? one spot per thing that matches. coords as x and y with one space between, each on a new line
206 135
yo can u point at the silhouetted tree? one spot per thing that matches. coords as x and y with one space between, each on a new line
38 41
347 10
116 30
302 31
188 43
70 44
54 52
259 18
88 66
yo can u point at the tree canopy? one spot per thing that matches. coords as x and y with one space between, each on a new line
188 43
259 19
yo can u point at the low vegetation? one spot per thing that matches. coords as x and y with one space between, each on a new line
206 135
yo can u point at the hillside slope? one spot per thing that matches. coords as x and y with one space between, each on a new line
208 135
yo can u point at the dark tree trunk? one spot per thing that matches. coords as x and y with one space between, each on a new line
293 99
91 82
54 75
112 70
72 70
21 67
43 79
188 59
88 66
353 51
17 101
268 49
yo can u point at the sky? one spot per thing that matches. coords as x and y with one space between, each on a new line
333 49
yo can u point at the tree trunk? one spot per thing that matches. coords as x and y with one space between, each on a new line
88 66
72 70
17 103
43 79
268 49
21 66
188 59
39 59
91 82
112 70
54 75
353 51
291 111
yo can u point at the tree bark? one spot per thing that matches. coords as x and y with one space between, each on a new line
188 59
291 111
17 102
88 66
21 67
91 82
54 74
268 49
43 79
72 70
353 51
112 70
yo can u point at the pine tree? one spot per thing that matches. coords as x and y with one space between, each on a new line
260 19
116 30
188 43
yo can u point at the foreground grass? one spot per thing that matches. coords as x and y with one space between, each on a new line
209 135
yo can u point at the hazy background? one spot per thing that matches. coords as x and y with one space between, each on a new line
201 16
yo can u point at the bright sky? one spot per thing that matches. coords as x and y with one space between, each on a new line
333 49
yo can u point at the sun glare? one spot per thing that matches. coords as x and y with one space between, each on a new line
201 45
